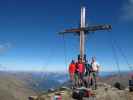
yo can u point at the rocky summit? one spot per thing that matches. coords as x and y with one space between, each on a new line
104 92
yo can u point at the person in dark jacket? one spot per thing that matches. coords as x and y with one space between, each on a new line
88 69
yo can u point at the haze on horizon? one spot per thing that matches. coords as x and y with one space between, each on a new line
29 39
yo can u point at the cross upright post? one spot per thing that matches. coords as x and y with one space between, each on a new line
82 33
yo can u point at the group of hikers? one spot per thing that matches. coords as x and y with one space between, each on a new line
84 73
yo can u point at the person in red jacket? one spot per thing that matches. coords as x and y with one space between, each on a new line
81 70
72 69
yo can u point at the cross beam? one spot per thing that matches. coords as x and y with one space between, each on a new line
83 30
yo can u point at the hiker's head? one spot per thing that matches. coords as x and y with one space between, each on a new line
86 61
93 59
73 62
80 60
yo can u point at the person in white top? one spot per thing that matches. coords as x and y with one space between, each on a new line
95 65
94 72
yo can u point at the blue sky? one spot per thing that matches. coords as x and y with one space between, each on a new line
29 39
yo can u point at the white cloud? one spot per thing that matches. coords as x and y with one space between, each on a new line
128 11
